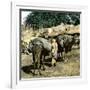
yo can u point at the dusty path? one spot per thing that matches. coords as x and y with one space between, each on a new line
70 68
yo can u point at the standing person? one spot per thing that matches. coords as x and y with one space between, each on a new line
54 51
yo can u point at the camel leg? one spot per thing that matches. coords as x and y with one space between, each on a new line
42 62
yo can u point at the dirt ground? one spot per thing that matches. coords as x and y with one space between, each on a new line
63 69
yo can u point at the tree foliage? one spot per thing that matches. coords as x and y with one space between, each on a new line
45 19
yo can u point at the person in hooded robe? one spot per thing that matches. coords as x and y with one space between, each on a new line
54 51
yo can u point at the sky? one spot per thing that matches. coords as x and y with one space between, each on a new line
24 15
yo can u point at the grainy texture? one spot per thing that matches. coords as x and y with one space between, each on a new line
62 69
70 68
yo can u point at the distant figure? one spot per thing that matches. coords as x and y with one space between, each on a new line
54 51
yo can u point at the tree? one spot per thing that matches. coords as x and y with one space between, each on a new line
45 19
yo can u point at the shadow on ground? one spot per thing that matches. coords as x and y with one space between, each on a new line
29 68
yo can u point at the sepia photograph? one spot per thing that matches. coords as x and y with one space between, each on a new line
49 43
